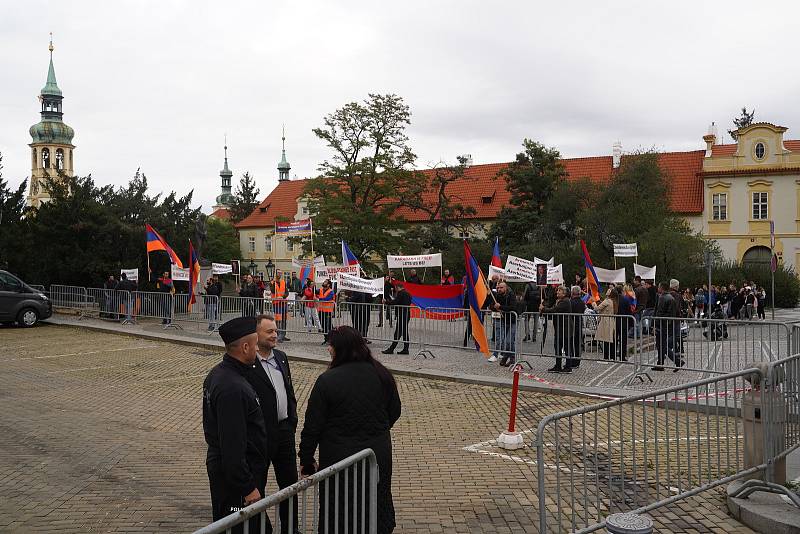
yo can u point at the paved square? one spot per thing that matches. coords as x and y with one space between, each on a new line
102 433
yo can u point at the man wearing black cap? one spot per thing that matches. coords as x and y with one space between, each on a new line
233 425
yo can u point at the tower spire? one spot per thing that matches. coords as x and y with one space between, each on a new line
225 198
283 166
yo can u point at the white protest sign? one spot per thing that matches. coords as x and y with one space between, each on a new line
550 263
521 268
180 274
319 261
555 275
328 272
504 275
646 273
610 276
131 274
625 250
413 262
221 268
349 282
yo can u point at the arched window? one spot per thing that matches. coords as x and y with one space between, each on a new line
45 158
70 159
59 159
34 158
757 257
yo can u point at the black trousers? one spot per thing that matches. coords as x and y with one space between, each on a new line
325 321
400 331
226 500
284 465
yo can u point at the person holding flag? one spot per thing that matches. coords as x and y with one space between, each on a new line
165 286
194 275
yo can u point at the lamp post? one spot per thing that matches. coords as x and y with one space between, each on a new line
270 269
252 267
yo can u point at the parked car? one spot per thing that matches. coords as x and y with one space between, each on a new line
20 303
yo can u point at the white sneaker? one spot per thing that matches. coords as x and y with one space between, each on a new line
492 359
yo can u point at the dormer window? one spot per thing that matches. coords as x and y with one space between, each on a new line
760 150
262 210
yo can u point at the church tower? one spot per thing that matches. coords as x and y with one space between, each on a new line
225 198
51 149
283 166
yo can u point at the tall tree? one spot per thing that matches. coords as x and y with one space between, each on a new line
245 198
222 244
366 179
12 208
743 120
531 178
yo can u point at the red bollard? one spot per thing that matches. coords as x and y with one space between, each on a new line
511 439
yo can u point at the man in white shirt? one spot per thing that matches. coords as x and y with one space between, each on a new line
272 381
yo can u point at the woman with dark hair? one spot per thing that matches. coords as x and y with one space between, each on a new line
352 406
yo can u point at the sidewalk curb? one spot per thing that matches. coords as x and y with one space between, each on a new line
445 376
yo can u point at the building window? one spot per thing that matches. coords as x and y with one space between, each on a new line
305 210
760 150
760 212
463 235
268 243
251 243
45 158
289 246
59 159
719 203
34 158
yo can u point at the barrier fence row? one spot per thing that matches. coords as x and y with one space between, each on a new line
341 499
642 452
708 346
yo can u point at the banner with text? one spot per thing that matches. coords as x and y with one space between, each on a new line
626 250
551 262
301 227
647 273
131 274
413 262
521 268
329 272
505 275
610 276
348 282
181 275
221 268
555 276
298 263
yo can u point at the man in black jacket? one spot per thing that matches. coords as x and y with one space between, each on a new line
402 301
211 302
667 311
505 326
233 425
249 292
575 343
272 380
563 334
532 298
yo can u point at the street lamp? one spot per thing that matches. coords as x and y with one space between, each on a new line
270 269
252 267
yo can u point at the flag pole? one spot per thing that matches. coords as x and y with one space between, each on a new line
311 224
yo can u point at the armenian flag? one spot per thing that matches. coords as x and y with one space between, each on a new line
306 271
592 283
496 261
194 275
442 303
156 242
476 295
348 258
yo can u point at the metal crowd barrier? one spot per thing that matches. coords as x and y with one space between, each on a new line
642 452
69 297
338 499
154 305
110 304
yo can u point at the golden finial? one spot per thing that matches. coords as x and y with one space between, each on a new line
51 48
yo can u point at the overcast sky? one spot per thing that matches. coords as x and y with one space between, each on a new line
157 84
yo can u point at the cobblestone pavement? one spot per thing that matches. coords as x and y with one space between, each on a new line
102 433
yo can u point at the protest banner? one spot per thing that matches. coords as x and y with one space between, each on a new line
131 274
318 262
179 274
235 267
221 268
348 282
626 250
550 263
301 227
329 272
505 275
413 262
521 268
646 273
610 276
555 275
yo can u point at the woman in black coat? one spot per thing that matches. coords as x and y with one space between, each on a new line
352 406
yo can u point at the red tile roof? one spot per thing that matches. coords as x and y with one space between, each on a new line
221 213
482 181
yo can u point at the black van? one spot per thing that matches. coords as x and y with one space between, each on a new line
21 303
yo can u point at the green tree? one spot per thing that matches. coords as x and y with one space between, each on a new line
744 120
12 209
531 178
366 179
245 198
222 244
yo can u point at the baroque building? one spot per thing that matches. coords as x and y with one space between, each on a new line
51 146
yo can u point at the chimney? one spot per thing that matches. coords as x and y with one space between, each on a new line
616 154
467 158
710 138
